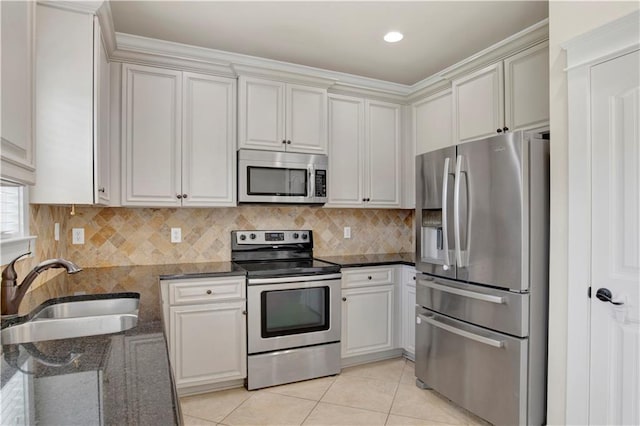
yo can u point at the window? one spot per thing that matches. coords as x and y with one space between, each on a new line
14 221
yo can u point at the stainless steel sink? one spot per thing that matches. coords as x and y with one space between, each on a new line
75 316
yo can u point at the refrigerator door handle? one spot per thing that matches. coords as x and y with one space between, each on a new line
465 293
445 232
462 333
456 210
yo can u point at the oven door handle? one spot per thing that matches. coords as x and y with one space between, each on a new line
302 278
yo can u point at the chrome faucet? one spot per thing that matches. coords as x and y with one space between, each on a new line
12 294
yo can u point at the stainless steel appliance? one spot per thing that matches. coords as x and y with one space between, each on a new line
281 177
482 235
293 307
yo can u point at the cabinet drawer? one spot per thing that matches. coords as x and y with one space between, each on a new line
201 290
358 277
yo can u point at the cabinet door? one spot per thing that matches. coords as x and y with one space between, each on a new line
409 310
478 106
151 114
208 343
526 80
64 97
382 154
346 152
432 122
17 51
102 121
261 114
306 122
367 320
208 141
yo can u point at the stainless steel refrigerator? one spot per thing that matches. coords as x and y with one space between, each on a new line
482 236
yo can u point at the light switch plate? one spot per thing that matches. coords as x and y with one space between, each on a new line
56 231
176 235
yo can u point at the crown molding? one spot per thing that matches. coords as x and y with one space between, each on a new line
147 51
602 43
280 75
537 33
76 6
105 18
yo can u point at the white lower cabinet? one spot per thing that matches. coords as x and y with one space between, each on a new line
367 320
205 321
408 323
368 310
208 342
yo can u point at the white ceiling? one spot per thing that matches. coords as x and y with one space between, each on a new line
334 35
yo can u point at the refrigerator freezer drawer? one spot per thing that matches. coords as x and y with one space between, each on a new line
499 310
482 371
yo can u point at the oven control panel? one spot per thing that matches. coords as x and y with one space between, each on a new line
272 237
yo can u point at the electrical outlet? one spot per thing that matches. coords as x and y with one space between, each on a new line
176 235
56 231
347 232
77 236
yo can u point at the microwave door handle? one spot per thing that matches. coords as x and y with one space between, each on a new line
311 183
445 232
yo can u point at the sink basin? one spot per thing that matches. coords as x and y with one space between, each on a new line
75 316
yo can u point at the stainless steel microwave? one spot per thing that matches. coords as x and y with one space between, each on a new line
281 177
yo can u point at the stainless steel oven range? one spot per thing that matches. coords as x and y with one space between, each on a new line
293 307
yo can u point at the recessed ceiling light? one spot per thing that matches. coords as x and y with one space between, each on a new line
393 36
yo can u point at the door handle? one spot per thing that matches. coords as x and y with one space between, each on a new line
465 293
463 333
605 295
445 232
456 210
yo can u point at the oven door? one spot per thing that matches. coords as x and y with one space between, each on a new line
292 312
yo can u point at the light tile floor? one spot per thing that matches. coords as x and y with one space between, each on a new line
380 393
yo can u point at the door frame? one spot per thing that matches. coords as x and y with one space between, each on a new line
612 40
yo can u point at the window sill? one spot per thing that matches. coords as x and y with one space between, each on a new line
14 247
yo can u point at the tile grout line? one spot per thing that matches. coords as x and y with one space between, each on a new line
396 392
320 399
238 406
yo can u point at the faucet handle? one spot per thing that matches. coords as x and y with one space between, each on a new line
9 275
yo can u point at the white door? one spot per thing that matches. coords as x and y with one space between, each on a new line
383 154
478 104
367 320
208 141
306 122
346 156
615 329
261 113
208 342
151 136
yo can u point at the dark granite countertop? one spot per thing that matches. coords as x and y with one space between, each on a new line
121 378
370 259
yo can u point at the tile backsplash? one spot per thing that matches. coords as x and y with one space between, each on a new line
141 236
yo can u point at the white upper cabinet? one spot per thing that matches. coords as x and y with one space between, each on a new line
478 106
526 81
506 96
72 109
364 153
432 122
151 113
17 57
281 116
208 140
178 138
382 185
346 152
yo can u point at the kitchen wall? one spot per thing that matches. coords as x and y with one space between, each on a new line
41 223
141 236
566 20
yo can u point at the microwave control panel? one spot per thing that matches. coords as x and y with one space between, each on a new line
321 183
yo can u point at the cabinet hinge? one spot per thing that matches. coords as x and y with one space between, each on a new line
589 293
